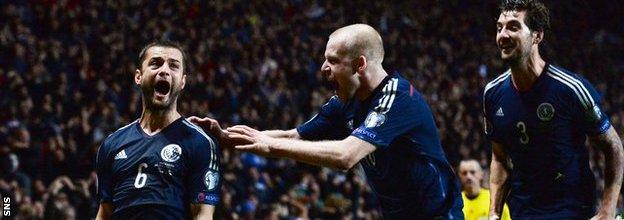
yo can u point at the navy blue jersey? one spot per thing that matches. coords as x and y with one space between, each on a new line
408 171
544 130
158 176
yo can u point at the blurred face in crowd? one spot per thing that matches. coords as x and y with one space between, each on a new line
339 69
470 174
514 39
161 77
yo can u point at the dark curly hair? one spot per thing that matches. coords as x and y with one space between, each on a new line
537 15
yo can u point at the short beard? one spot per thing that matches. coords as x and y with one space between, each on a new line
148 100
512 61
152 106
517 59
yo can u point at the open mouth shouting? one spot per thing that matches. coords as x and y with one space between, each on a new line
332 85
162 88
329 83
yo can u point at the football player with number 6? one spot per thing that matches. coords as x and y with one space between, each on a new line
160 166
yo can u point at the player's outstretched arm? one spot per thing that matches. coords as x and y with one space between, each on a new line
292 133
342 154
104 212
611 146
499 184
213 127
202 211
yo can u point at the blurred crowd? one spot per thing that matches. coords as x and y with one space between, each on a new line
66 70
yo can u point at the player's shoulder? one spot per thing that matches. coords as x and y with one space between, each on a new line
399 91
554 70
334 102
334 106
496 83
116 139
196 135
394 90
566 78
120 134
571 84
398 85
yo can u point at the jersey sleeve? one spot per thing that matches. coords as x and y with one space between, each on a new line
395 114
104 174
588 103
204 177
488 127
321 126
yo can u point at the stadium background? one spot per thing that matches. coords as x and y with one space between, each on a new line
66 83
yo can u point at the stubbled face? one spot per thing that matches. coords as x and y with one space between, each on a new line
339 70
513 37
161 77
470 175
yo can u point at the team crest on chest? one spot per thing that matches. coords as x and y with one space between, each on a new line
171 153
374 119
545 112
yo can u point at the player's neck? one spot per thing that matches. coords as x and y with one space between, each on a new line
370 81
524 74
153 121
472 192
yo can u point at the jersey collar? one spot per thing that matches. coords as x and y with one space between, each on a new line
534 85
168 127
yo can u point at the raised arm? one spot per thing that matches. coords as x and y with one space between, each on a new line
499 180
611 146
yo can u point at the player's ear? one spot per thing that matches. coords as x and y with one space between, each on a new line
538 36
137 76
360 64
183 81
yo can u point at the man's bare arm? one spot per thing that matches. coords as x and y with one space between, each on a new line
342 154
499 180
202 211
104 212
292 133
611 146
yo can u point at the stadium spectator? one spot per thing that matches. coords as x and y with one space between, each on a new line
476 198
